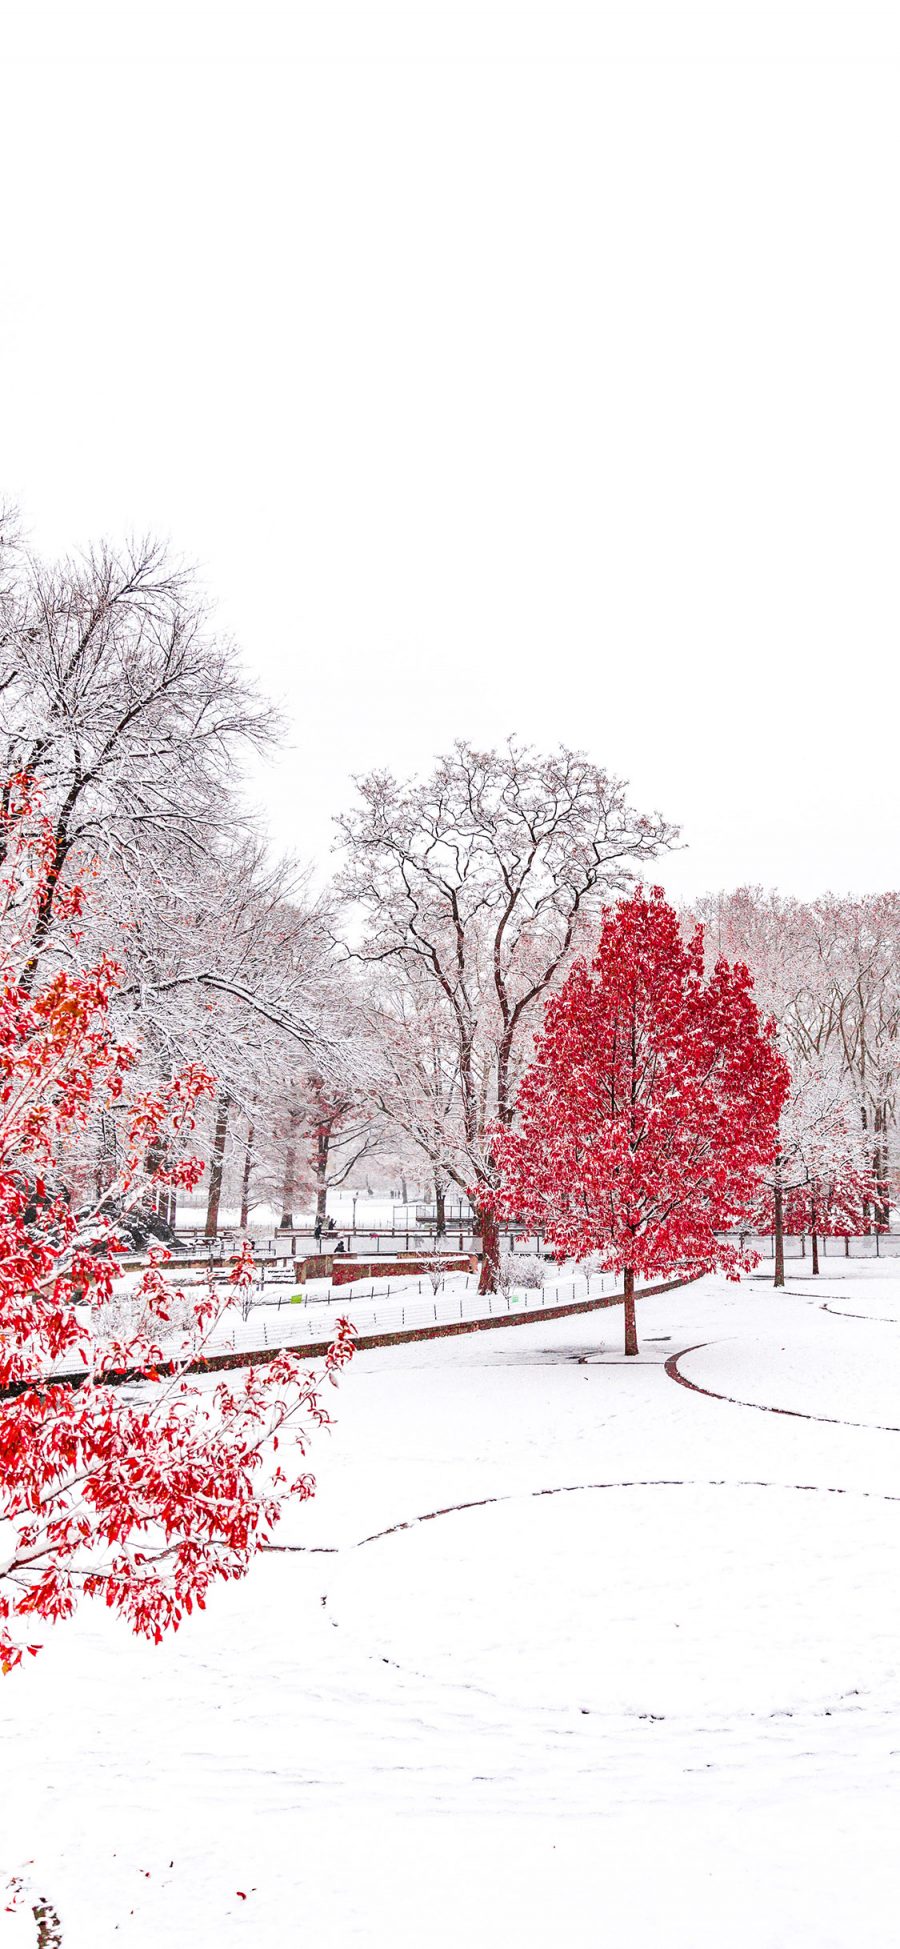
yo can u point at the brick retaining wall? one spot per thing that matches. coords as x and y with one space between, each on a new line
400 1336
344 1271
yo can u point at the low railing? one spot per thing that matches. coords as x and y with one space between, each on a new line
276 1248
380 1307
831 1245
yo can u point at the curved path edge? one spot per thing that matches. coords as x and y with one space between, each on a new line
575 1489
765 1407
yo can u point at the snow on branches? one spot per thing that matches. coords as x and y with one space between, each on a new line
143 1495
651 1109
820 1181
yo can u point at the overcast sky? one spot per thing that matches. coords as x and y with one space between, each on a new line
525 368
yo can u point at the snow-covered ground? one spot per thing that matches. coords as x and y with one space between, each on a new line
280 1317
643 1690
347 1208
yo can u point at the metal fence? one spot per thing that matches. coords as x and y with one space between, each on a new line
368 1244
798 1245
378 1306
288 1246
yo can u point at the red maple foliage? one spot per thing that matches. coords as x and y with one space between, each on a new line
142 1495
651 1108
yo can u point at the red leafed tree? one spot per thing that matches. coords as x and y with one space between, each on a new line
651 1108
142 1496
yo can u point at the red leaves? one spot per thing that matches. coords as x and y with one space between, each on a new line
652 1107
142 1498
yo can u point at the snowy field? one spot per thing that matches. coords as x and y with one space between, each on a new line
348 1209
280 1318
643 1690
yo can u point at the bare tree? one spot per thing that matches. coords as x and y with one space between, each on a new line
828 970
293 1121
857 946
130 713
118 698
231 964
415 1072
479 878
246 1175
217 1163
342 1129
243 945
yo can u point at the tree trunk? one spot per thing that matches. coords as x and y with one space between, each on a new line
216 1165
323 1146
441 1208
490 1251
814 1229
44 917
245 1179
631 1339
779 1236
866 1207
106 1155
882 1170
286 1223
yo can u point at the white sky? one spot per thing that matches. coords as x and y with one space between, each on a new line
525 367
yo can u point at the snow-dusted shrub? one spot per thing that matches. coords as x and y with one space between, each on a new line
125 1316
521 1269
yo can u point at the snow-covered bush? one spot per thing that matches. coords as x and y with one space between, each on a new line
521 1269
126 1314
